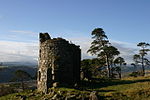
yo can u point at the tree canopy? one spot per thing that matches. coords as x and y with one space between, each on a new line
101 47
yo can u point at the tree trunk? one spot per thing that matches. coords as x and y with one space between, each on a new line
22 84
120 74
111 66
120 71
143 68
108 67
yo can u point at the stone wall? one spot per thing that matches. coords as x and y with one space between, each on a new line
59 62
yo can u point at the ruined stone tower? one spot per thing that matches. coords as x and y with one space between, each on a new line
59 62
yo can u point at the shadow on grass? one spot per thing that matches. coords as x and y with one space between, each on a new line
100 83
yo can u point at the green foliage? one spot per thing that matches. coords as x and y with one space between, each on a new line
91 67
100 40
119 62
103 48
135 74
110 51
136 58
143 44
86 68
6 89
21 75
142 52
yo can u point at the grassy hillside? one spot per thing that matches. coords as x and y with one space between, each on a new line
125 89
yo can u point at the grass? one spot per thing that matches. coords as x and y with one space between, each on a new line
126 89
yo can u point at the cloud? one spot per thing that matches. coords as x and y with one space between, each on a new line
18 51
20 35
23 32
84 43
28 51
127 50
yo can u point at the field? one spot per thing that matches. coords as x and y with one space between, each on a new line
126 89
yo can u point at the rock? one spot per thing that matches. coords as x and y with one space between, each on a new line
31 94
54 97
23 97
18 95
55 84
93 96
70 97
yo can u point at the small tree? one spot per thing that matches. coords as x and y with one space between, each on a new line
21 75
92 68
86 69
119 61
142 53
109 52
99 42
136 59
102 48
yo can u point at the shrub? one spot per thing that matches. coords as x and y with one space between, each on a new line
4 90
135 74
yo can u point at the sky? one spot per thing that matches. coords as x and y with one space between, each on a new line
125 22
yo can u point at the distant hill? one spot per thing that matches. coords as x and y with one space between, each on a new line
8 69
30 64
129 69
7 73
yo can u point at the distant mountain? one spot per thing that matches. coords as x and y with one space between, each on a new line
129 69
7 73
31 64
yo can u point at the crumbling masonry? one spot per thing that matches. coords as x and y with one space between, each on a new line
59 62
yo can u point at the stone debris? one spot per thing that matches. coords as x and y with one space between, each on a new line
93 96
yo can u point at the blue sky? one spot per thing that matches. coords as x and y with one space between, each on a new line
126 23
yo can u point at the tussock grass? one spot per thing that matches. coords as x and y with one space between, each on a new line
130 88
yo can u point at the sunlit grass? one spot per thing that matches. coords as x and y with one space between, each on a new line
131 88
